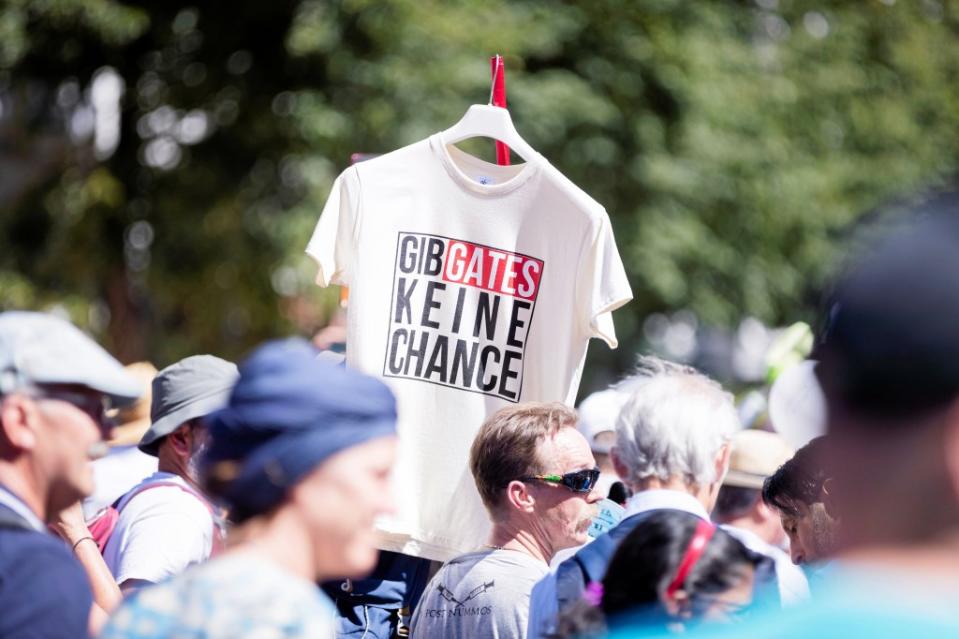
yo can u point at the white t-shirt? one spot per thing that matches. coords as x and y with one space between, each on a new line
160 532
472 286
114 475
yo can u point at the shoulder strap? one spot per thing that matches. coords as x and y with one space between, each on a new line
10 519
125 499
218 542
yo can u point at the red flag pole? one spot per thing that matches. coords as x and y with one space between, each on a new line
498 72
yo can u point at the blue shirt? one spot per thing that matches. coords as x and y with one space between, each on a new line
44 592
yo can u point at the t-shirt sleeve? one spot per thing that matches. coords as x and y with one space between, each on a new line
603 286
166 540
333 245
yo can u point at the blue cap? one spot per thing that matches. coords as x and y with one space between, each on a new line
288 413
891 342
39 348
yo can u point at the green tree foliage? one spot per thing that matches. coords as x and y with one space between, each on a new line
732 143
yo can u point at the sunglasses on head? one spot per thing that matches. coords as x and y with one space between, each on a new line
580 481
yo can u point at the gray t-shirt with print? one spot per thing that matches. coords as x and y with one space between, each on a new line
481 595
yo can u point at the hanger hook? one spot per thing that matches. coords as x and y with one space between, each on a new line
492 86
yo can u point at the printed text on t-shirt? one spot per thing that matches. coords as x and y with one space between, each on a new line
460 314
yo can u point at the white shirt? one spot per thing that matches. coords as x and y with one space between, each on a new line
544 607
160 532
662 499
114 475
472 287
792 583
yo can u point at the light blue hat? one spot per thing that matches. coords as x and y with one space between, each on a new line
39 348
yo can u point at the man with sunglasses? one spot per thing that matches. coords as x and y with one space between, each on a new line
536 476
55 383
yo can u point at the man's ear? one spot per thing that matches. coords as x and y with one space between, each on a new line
181 440
19 416
951 447
828 495
722 462
519 497
618 465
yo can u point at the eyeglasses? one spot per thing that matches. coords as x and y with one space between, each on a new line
580 481
94 405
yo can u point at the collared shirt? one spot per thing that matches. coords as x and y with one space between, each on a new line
18 506
544 608
660 499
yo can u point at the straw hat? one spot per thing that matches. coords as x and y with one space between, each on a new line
134 420
756 454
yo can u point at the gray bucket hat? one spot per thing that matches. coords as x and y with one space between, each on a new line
193 387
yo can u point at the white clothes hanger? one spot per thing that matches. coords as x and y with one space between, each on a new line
488 121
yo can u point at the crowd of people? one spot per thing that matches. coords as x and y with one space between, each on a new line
649 513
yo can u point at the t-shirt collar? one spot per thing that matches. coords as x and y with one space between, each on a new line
18 506
453 160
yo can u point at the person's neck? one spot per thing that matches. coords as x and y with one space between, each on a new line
702 494
512 536
177 466
279 539
29 487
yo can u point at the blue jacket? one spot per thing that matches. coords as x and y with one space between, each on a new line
589 564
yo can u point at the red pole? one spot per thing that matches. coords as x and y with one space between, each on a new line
498 73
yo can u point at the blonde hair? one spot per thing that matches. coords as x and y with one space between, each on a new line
506 446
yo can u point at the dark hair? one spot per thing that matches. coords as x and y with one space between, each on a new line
734 501
799 480
618 493
643 567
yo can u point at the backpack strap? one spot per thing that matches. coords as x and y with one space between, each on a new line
215 514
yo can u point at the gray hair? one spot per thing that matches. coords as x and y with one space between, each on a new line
673 424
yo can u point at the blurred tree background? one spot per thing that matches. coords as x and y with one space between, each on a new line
162 164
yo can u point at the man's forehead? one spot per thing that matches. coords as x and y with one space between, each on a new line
567 449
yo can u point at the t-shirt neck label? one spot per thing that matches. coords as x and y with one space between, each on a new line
479 176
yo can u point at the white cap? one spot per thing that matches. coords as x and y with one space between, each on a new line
797 406
38 348
598 414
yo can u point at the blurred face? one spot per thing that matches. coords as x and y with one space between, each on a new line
727 606
812 534
70 423
562 515
338 503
